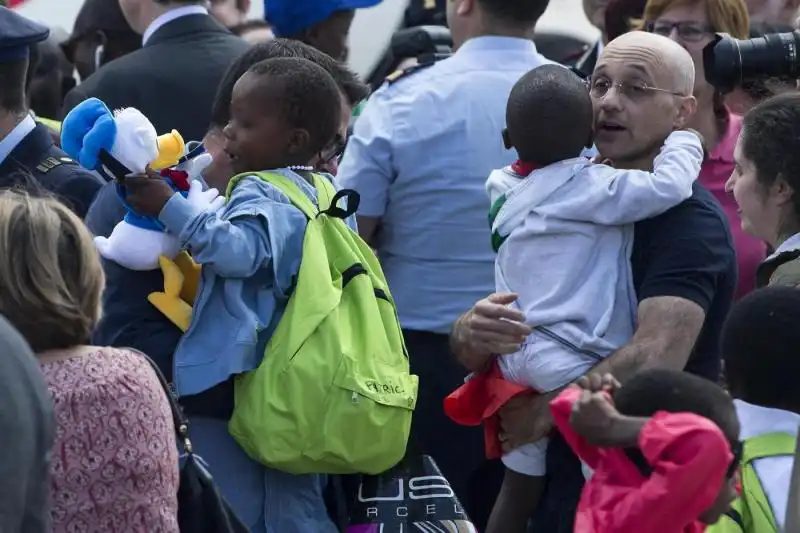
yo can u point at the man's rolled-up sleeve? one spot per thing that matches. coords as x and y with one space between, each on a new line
367 166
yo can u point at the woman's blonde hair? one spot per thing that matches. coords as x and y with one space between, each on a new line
727 16
51 279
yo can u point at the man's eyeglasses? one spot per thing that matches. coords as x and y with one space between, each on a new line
688 31
633 91
334 151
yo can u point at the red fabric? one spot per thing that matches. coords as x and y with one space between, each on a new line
522 168
690 458
477 402
179 178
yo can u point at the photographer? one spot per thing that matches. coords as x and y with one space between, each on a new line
692 25
757 90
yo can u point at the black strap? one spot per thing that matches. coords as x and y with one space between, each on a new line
180 420
734 515
353 200
117 169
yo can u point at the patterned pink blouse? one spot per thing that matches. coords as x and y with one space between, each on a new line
115 462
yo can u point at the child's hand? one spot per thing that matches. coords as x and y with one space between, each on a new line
147 193
594 417
702 141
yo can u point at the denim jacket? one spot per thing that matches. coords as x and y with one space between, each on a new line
250 252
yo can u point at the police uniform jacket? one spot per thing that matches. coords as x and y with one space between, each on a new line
37 165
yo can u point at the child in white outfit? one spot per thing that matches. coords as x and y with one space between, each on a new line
562 228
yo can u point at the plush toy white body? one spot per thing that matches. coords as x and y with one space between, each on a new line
137 145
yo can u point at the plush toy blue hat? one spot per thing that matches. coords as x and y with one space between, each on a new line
291 17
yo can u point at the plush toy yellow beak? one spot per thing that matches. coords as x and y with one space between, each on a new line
170 150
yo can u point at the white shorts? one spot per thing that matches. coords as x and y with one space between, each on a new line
544 365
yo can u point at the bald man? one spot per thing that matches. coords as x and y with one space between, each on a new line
655 97
683 261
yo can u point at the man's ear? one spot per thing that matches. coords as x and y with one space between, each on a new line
686 111
465 7
507 140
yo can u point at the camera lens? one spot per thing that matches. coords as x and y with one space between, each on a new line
728 62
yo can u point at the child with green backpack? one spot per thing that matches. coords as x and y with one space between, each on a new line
759 345
291 301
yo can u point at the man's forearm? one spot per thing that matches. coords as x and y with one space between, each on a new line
628 360
667 332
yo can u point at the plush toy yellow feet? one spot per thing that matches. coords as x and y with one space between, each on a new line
181 278
191 276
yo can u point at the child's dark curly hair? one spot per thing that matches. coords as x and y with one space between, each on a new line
759 345
651 391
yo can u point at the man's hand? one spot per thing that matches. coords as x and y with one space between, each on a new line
525 419
147 193
490 328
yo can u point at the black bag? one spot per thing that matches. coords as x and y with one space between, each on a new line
201 508
412 496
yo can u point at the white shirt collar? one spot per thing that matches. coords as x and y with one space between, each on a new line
792 243
169 16
13 139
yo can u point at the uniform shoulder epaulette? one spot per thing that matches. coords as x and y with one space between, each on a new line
397 75
49 163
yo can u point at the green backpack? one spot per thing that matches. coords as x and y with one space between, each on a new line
752 512
333 394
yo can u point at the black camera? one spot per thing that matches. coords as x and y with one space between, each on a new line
728 62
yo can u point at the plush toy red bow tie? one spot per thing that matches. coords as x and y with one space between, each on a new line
179 178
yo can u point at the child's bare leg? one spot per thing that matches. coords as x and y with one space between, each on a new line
516 502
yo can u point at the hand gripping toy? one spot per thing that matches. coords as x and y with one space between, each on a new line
122 143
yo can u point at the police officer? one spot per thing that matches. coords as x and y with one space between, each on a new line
28 156
419 157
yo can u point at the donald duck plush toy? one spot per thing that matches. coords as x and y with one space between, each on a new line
122 143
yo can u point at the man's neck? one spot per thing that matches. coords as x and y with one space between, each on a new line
151 11
9 121
496 31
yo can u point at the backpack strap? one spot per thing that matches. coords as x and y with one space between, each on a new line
775 444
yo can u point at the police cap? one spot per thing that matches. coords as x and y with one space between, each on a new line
17 34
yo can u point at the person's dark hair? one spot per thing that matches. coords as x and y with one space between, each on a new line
244 27
759 89
770 138
759 344
673 391
303 94
549 115
516 12
13 85
348 82
620 16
